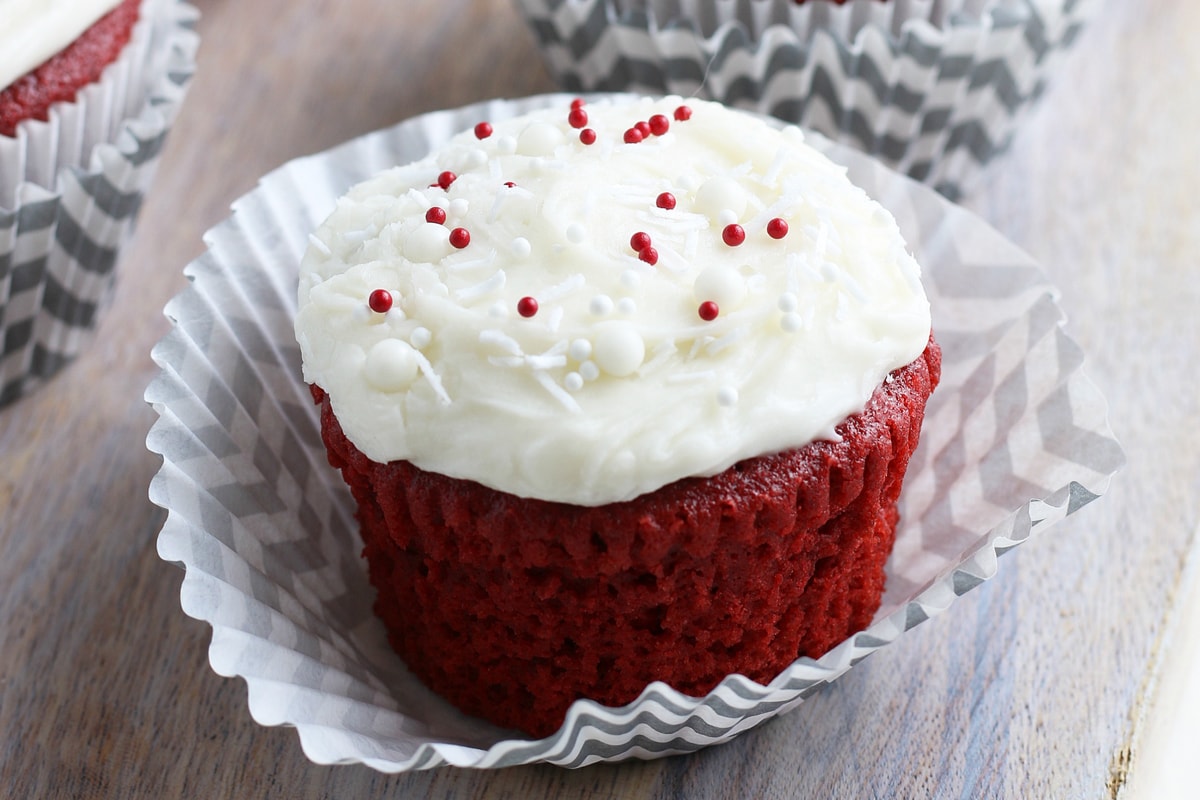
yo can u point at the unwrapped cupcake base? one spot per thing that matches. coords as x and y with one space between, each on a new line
1015 439
70 189
932 89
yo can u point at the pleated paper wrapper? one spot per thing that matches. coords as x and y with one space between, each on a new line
933 88
70 191
1015 439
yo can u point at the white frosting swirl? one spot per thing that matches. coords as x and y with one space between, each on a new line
31 31
616 384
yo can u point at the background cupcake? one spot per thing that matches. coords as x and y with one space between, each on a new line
933 89
90 89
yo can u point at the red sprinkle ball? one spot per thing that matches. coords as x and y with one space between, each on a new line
665 200
639 241
643 128
683 113
659 124
460 237
587 136
509 184
633 136
649 255
380 301
436 215
708 311
446 178
733 234
777 228
527 306
578 102
483 130
577 118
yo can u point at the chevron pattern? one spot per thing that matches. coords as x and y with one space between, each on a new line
63 222
933 102
1016 439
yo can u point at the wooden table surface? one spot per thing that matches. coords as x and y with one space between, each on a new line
105 689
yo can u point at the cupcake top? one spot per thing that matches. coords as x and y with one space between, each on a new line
34 30
586 303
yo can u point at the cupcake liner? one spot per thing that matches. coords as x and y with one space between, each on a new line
1015 439
70 190
933 88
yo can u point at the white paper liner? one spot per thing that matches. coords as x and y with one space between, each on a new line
70 190
933 88
1015 439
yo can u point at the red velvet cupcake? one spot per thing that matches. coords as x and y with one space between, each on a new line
88 91
77 65
624 393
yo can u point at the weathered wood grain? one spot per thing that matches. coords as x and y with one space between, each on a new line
1031 686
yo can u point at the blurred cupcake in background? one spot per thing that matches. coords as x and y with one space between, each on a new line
88 91
933 88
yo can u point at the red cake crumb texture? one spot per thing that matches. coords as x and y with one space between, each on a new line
64 74
512 608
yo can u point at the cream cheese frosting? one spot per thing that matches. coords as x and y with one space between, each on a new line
32 31
585 304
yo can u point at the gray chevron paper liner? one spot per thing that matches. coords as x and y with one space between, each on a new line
933 89
1015 439
70 191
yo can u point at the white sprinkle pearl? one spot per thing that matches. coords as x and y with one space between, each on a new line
427 244
391 365
719 194
723 285
521 248
458 207
573 381
788 302
790 322
580 349
726 217
575 233
507 144
626 305
420 337
589 370
727 396
539 139
619 348
630 279
601 305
